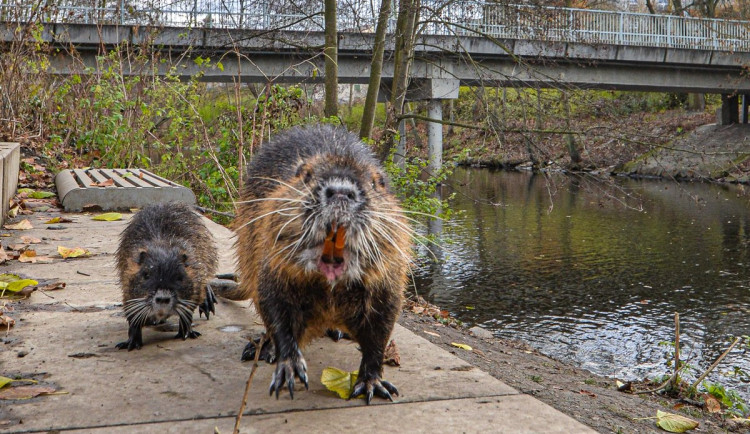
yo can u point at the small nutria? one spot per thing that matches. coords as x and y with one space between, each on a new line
322 244
165 260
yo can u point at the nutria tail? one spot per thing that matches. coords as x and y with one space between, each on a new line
322 243
165 259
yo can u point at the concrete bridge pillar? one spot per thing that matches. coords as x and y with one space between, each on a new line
435 135
729 112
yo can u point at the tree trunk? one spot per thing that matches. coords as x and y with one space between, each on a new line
376 70
405 35
331 60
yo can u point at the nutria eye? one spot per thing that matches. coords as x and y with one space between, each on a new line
146 275
373 185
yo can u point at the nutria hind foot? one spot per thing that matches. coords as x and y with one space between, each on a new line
337 335
285 372
267 352
209 303
373 385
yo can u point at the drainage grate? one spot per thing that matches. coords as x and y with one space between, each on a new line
130 188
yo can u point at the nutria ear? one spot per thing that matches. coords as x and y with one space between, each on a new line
304 170
141 257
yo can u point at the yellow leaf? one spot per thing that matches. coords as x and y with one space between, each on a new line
20 226
4 381
109 217
674 422
338 381
462 346
52 221
76 252
21 284
7 278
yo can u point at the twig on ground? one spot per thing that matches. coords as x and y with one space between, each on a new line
258 347
205 210
711 368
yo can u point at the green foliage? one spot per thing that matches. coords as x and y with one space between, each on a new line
729 398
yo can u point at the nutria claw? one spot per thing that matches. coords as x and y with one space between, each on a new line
209 303
285 372
373 386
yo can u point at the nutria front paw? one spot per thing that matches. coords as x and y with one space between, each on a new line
373 386
267 352
192 334
130 344
285 371
209 303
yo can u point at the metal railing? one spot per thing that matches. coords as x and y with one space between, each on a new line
453 18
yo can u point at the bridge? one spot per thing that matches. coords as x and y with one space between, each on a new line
460 42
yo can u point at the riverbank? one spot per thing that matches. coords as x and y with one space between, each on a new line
591 399
674 144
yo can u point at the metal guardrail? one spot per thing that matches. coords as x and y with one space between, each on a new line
457 17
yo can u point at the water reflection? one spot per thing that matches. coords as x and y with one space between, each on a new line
593 272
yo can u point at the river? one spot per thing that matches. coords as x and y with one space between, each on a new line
592 272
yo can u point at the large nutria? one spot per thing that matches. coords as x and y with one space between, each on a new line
322 244
165 259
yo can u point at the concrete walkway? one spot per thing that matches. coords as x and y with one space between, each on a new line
170 385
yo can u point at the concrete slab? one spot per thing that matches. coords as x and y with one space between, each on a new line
68 337
461 415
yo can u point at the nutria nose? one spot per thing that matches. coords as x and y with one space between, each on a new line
162 300
339 193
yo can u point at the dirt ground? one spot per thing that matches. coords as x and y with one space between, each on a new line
591 399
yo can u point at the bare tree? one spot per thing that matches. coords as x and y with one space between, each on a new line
331 60
376 69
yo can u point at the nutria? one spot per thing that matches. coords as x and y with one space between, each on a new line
322 243
165 259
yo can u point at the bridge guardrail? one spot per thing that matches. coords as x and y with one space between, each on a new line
451 18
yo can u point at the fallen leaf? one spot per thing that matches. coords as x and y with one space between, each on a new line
30 240
3 255
462 346
52 286
18 285
4 381
391 355
107 183
25 190
13 211
41 194
338 381
417 309
674 422
711 403
7 278
75 252
126 175
20 226
58 219
18 247
109 217
6 321
28 256
24 392
587 393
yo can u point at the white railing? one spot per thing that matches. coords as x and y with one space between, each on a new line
455 18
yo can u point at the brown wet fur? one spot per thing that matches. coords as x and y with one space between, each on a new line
172 241
298 304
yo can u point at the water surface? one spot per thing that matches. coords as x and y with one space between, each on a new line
592 273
